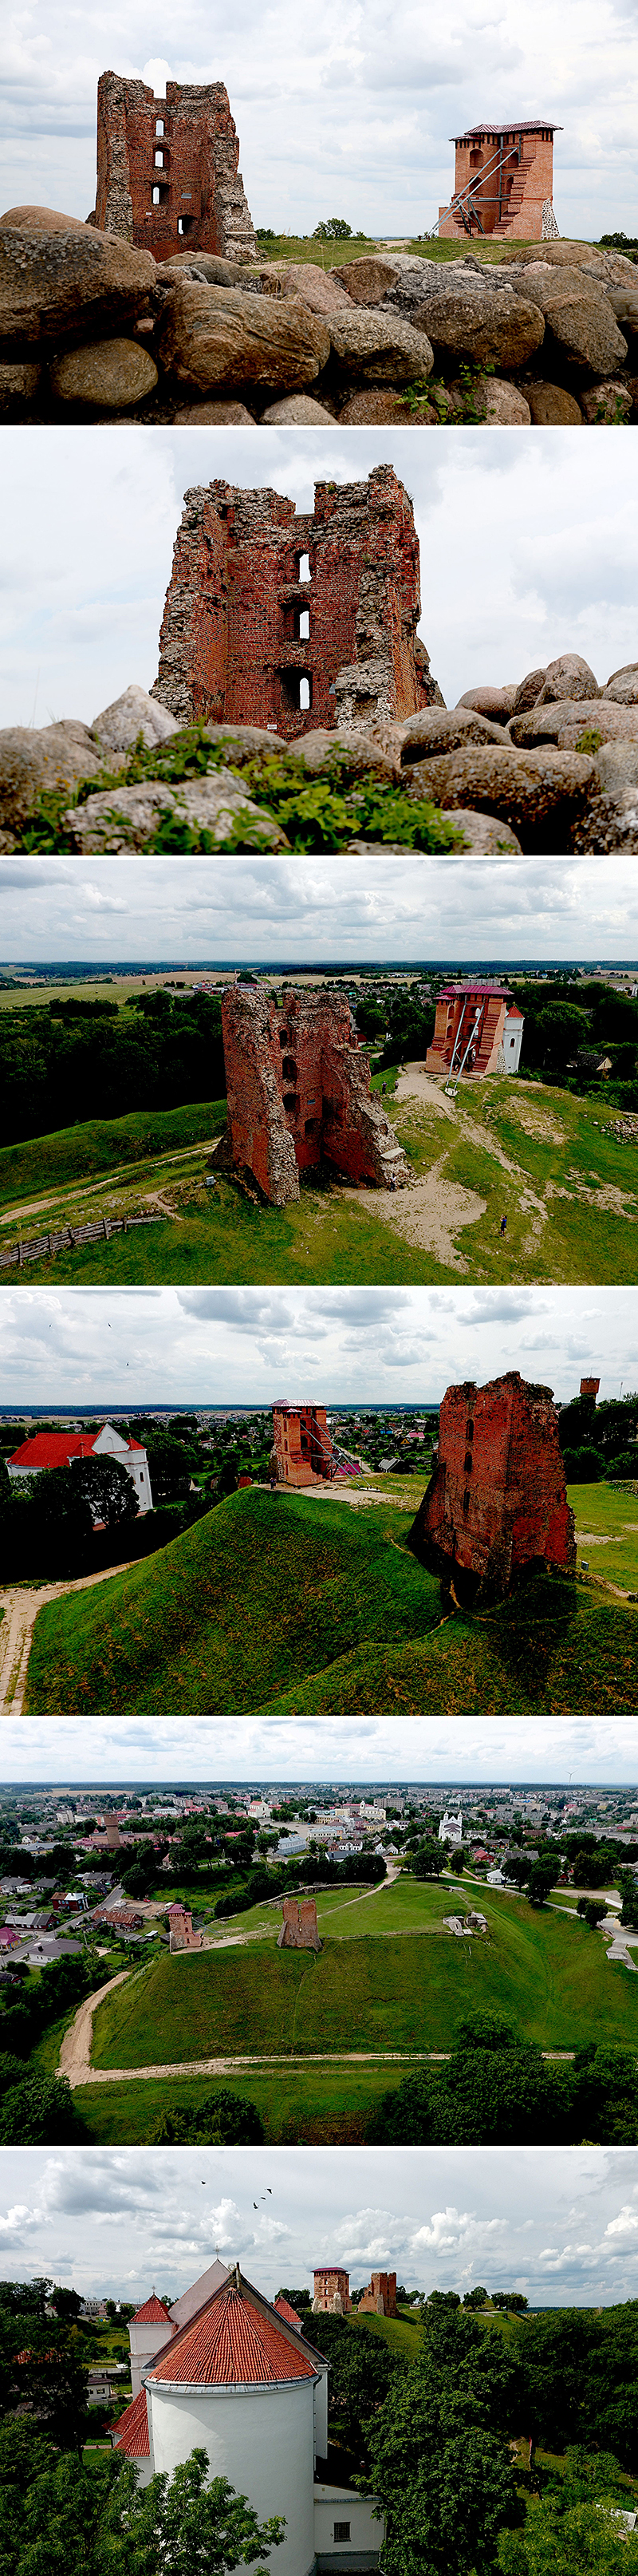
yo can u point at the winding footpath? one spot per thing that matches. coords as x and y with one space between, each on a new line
20 1605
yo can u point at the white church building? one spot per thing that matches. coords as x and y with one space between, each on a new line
225 2371
65 1448
451 1829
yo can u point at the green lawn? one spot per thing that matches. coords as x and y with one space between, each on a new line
299 2105
570 1197
289 1603
607 1531
546 1972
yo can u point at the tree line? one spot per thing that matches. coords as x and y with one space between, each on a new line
158 1052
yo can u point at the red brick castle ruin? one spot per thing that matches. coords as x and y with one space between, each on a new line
495 1510
380 2300
302 1451
503 182
299 1924
280 618
167 170
298 1090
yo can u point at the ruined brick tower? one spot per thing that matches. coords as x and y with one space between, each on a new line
503 181
495 1510
298 1092
299 1924
302 1452
167 174
292 620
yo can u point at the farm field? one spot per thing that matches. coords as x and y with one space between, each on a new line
287 1602
546 1159
546 1973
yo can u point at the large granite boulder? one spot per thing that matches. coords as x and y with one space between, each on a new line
209 337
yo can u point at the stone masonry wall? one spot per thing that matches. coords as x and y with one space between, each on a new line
495 1509
231 649
298 1092
184 148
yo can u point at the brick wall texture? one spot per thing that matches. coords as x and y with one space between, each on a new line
495 1509
380 2299
181 149
230 645
298 1090
299 1925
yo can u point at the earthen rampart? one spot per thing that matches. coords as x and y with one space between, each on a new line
295 620
298 1089
168 178
495 1510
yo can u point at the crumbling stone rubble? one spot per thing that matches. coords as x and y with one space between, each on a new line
127 316
495 1511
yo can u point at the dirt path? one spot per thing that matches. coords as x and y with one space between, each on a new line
431 1212
75 2053
69 1193
21 1605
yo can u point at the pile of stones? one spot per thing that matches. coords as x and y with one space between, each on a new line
548 766
91 328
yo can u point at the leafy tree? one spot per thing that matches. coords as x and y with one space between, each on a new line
54 2515
39 2111
475 2298
361 2370
439 2453
542 1879
222 2119
428 1860
108 1490
592 1910
563 2536
46 2374
334 229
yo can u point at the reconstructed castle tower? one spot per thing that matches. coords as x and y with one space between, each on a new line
477 1030
167 169
495 1510
302 1451
299 1093
503 182
293 620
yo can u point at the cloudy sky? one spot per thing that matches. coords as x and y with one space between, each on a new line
345 112
529 547
561 2226
148 1346
323 908
443 1750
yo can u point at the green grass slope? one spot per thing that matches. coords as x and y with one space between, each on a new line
97 1145
546 1972
291 1603
568 1186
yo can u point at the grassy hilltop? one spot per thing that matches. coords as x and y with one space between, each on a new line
290 1602
546 1156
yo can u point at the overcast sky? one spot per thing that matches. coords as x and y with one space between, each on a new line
347 111
561 2226
446 1750
325 908
529 547
106 1346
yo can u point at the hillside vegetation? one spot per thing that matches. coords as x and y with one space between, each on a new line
547 1158
287 1602
546 1972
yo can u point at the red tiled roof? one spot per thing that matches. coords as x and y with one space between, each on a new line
130 2434
54 1448
232 2341
284 2309
153 2313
